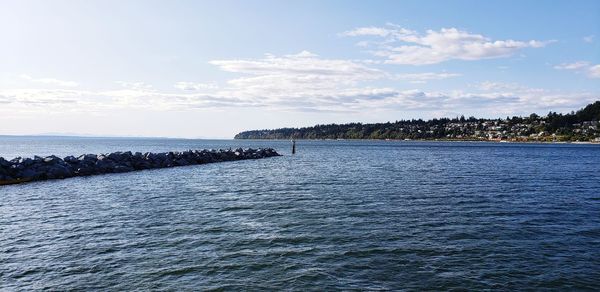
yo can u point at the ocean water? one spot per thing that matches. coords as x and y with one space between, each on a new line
338 215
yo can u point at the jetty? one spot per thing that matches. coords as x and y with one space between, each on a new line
20 170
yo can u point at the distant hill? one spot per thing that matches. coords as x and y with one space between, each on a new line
575 126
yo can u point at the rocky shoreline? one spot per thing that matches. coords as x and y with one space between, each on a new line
20 170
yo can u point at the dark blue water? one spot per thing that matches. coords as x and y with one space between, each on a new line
339 215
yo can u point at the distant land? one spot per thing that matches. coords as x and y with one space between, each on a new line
582 125
97 136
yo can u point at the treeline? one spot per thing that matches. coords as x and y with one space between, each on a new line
556 121
568 125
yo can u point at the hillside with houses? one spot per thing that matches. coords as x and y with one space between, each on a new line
582 125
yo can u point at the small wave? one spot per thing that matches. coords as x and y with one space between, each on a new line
235 208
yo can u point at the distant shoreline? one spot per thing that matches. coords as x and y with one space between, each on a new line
107 137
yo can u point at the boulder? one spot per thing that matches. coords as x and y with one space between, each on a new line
71 160
85 170
4 163
104 166
120 156
122 168
59 171
16 167
51 159
181 162
31 173
88 157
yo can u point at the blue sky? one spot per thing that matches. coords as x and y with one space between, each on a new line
214 68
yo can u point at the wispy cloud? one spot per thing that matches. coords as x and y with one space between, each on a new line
594 71
424 77
5 99
302 78
572 66
495 86
590 70
370 31
493 99
305 63
137 85
49 81
404 46
588 39
195 86
302 82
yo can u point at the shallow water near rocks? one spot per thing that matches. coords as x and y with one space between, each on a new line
338 215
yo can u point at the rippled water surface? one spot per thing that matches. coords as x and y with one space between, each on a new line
339 215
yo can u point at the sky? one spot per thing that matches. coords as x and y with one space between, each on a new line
210 69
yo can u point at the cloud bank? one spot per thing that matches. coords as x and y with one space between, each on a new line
302 82
408 47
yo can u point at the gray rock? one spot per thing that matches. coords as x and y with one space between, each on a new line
31 174
4 163
71 160
88 157
105 165
85 170
122 168
51 159
59 171
181 162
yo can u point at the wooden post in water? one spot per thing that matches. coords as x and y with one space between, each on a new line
293 146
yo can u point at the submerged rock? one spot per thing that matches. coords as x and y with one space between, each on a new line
20 170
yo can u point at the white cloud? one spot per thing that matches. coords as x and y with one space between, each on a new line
5 99
497 99
491 86
368 31
137 85
103 101
49 81
303 63
588 39
194 86
594 71
404 46
572 66
591 71
423 77
300 82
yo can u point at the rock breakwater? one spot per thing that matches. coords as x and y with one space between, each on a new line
21 170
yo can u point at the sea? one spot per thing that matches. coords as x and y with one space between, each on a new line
337 215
